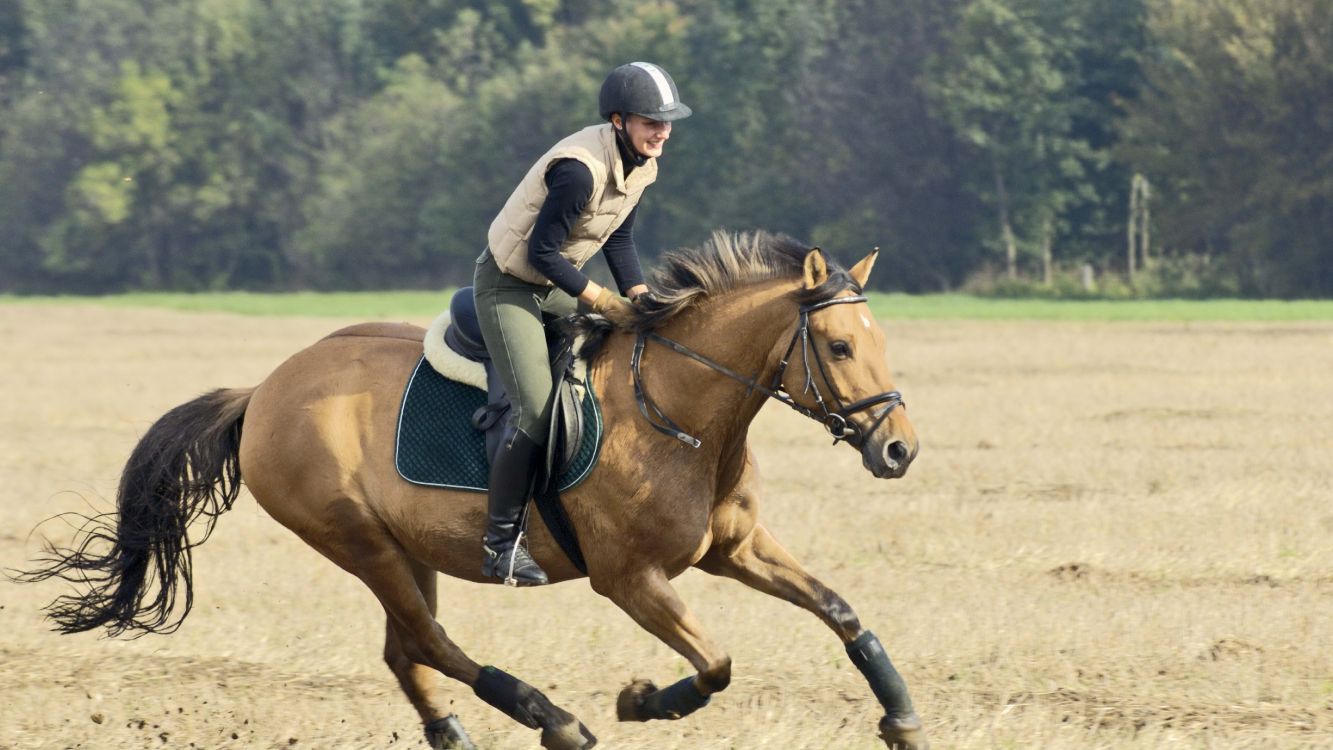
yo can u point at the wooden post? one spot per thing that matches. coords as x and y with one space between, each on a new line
1146 190
1047 229
1132 235
1006 230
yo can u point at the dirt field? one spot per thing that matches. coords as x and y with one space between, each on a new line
1116 536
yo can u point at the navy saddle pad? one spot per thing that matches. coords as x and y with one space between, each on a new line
438 446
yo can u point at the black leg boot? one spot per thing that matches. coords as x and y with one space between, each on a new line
512 474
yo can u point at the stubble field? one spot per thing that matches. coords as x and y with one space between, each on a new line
1117 535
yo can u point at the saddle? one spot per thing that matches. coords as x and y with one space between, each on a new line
565 434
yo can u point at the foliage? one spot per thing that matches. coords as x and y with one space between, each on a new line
1174 277
1023 84
1237 125
878 166
355 144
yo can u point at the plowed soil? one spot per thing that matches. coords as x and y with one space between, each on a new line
1116 535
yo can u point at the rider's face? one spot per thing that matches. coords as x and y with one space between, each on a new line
646 136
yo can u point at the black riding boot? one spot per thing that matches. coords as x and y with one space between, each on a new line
512 472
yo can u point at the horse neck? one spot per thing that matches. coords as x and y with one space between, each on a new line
740 330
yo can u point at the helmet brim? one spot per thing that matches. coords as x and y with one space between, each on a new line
669 113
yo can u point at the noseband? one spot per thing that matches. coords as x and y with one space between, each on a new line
837 421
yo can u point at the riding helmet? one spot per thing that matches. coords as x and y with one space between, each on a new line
641 88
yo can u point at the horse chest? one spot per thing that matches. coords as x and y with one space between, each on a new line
669 526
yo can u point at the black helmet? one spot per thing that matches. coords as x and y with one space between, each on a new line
641 88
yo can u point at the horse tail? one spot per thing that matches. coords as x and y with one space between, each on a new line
133 564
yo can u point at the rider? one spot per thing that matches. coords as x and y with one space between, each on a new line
579 197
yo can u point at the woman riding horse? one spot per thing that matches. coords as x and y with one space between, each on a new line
737 321
579 197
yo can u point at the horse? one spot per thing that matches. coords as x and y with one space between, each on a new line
733 322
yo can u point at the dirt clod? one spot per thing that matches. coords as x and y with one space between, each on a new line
1071 571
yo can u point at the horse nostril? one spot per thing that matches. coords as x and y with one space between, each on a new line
896 453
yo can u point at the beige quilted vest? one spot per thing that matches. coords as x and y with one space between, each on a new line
613 197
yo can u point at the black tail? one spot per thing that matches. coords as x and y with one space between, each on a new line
134 561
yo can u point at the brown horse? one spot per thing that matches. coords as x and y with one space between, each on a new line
317 452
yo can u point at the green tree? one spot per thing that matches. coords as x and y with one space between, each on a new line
877 167
74 47
1236 130
1006 85
13 47
1107 60
118 205
357 143
368 222
183 140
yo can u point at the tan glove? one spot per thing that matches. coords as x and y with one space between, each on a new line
614 308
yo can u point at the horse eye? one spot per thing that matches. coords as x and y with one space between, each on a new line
840 349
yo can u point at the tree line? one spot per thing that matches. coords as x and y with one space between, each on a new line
259 144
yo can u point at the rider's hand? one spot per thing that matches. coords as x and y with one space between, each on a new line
614 308
646 300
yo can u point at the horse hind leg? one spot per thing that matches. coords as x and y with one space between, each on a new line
377 559
420 683
442 728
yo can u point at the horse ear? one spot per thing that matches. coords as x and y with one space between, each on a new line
816 268
861 271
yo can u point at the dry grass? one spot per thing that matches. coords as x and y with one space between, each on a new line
1117 536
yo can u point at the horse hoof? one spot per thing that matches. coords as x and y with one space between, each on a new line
448 734
903 733
629 704
570 736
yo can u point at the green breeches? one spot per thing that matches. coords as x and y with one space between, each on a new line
513 316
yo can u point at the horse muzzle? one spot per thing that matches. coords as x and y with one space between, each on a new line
888 459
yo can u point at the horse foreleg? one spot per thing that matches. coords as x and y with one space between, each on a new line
760 562
649 598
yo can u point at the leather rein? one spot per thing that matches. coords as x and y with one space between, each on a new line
836 421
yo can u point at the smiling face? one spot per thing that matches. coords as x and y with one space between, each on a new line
646 136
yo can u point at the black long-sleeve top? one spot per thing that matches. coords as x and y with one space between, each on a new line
569 188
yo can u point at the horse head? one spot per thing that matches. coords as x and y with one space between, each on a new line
836 367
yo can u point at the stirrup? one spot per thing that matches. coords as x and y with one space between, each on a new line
519 561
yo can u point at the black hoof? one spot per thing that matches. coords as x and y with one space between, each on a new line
903 733
642 701
629 704
448 734
570 736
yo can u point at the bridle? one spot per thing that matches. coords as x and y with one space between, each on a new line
836 421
